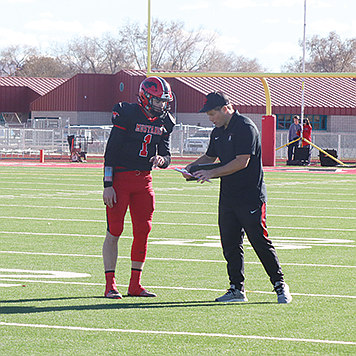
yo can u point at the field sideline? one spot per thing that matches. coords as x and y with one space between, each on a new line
52 224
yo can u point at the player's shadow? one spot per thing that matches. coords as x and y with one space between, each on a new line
110 304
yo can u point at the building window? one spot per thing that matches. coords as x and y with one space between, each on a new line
318 122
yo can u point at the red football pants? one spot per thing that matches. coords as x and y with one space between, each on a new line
133 189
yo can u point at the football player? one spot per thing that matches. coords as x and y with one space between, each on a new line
138 142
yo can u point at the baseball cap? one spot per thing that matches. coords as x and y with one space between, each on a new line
213 100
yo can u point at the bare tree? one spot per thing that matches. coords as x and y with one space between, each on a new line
116 55
190 49
218 61
175 48
329 54
134 43
172 48
82 55
13 58
43 66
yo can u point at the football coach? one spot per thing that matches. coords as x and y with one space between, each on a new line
236 142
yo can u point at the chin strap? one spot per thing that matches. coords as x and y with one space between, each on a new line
150 118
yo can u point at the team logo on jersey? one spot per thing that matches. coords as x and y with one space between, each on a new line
115 114
154 130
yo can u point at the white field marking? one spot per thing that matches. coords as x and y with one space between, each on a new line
285 243
309 241
179 333
55 234
294 239
309 228
51 207
51 184
49 176
59 191
297 239
313 216
3 285
314 193
24 273
45 196
180 223
278 245
305 199
169 259
307 207
313 183
342 296
181 212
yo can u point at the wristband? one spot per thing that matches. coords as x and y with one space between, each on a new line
108 177
108 174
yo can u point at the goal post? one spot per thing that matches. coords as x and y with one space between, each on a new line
267 143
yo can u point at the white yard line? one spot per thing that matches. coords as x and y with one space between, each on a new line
168 223
178 212
169 259
178 333
172 288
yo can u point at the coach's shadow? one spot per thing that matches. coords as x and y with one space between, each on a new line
110 305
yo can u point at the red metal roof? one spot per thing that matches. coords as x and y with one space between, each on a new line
333 95
39 85
95 92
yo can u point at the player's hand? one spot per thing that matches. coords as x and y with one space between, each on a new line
109 197
203 175
157 161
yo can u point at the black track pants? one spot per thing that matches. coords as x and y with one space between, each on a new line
233 222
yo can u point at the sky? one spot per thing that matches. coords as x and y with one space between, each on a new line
268 30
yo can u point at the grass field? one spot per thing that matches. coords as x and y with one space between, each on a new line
52 224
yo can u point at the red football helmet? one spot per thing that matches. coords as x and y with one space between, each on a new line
158 88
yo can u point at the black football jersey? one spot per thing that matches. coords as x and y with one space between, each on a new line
135 138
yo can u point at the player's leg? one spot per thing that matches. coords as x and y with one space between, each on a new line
141 210
110 254
115 225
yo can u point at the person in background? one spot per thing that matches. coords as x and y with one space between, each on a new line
138 142
307 130
293 133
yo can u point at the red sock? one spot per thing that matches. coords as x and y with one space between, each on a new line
135 287
110 281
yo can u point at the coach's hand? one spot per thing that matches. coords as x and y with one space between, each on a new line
109 196
204 175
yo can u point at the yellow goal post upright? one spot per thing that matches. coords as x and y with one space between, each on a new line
262 76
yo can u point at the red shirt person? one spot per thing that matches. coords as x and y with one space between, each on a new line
307 130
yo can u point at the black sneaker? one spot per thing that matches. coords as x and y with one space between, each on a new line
282 290
232 295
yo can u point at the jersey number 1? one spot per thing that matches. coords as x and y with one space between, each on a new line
146 141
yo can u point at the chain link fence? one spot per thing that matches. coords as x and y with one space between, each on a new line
185 139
